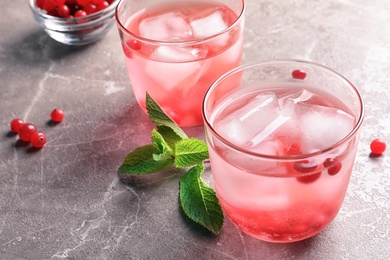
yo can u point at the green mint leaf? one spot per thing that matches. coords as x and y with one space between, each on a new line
162 145
169 135
142 161
189 152
200 202
159 118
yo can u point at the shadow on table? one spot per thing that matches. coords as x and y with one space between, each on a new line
38 47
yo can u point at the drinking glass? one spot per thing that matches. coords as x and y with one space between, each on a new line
175 49
282 138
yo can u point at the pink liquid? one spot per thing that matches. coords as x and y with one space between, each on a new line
178 78
280 200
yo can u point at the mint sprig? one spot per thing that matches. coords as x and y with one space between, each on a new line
171 147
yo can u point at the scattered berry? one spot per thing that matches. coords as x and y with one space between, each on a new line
38 139
57 115
25 132
378 146
299 74
333 165
15 125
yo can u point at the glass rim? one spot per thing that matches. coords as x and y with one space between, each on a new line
195 41
241 68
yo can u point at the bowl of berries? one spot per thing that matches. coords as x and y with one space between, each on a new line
75 22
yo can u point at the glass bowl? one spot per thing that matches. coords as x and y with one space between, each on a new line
76 31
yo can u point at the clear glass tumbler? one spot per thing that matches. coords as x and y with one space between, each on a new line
282 138
175 49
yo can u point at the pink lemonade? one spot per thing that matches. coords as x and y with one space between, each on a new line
279 196
185 52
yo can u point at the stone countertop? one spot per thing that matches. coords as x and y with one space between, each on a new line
66 201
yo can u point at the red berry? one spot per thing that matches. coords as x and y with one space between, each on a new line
309 178
378 146
299 74
90 8
39 3
134 44
15 124
82 2
333 165
305 166
80 13
57 115
38 139
25 132
102 5
49 6
96 2
63 11
70 2
58 2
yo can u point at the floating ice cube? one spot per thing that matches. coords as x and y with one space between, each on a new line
171 26
174 73
322 126
209 23
175 54
244 124
295 97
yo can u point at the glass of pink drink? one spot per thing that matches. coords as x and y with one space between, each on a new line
175 49
282 138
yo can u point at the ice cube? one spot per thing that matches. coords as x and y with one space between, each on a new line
295 97
244 124
210 23
322 126
173 73
175 54
171 26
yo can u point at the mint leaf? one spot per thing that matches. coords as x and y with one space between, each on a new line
189 152
142 161
169 135
162 145
200 202
159 118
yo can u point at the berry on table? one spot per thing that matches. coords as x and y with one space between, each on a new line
378 146
298 74
57 115
38 139
25 132
16 124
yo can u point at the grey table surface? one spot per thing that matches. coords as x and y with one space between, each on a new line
66 201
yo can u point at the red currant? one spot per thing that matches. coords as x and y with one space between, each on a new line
39 3
378 146
70 2
82 2
309 178
58 2
305 166
15 124
90 8
102 5
299 74
134 44
38 139
57 115
49 6
25 132
80 13
333 165
96 2
63 11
